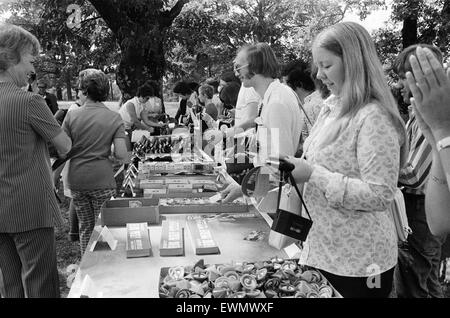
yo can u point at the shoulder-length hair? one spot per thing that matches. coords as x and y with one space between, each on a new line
261 60
364 78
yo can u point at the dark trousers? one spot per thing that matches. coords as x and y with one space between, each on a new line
129 133
28 264
362 287
417 272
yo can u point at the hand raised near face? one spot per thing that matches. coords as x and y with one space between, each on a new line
430 87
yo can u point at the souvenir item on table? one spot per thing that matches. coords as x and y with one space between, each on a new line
275 278
138 240
172 239
201 236
165 144
200 205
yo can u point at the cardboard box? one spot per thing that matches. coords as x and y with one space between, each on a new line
180 188
170 181
138 240
130 210
172 239
201 236
150 192
194 194
166 208
151 184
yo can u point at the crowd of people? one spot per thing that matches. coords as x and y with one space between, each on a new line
336 120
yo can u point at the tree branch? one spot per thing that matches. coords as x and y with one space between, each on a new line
109 10
169 16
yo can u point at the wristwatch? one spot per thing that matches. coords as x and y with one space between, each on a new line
443 143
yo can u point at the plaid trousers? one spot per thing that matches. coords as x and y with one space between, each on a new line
87 206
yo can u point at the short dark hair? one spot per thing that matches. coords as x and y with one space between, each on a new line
145 91
300 78
182 88
213 82
207 89
194 86
401 64
292 65
42 82
229 76
94 84
262 60
229 94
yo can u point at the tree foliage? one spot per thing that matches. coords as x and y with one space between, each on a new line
217 29
65 50
140 27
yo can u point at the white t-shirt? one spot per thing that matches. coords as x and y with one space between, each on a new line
139 107
281 122
247 95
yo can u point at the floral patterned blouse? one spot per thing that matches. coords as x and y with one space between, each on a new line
352 184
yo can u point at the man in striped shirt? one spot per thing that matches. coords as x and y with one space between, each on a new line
417 272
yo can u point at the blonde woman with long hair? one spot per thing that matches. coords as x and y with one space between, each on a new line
351 166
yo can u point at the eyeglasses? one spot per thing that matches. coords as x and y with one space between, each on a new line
238 67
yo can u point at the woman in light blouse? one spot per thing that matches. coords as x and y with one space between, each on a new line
351 166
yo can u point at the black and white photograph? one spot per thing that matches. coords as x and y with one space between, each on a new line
261 150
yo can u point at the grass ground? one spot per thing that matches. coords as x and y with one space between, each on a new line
67 252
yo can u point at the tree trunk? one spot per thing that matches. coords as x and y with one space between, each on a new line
140 28
68 76
409 32
59 93
142 60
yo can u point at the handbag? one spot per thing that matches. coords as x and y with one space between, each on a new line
398 211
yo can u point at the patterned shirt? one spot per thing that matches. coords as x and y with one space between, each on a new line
415 174
349 192
312 106
28 201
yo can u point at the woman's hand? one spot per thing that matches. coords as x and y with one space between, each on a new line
430 86
302 171
231 192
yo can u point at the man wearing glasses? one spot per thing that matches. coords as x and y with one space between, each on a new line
50 99
279 120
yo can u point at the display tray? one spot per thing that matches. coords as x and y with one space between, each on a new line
274 278
165 194
199 205
119 212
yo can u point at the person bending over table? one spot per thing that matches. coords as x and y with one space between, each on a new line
135 112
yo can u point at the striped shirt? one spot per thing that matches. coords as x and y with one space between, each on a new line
415 173
26 189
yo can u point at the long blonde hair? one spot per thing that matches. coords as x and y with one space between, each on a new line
364 78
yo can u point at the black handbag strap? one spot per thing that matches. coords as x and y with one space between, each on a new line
292 181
